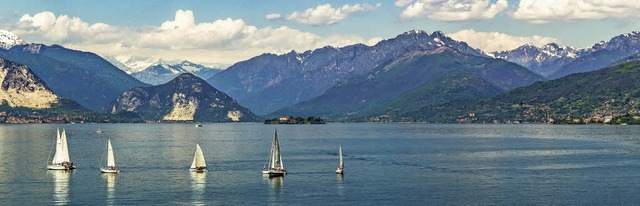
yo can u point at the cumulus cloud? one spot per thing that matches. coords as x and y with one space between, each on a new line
451 10
495 41
325 14
403 3
64 29
224 41
544 11
273 16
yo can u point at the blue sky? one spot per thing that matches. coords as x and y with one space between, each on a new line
230 31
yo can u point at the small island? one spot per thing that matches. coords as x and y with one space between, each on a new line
294 120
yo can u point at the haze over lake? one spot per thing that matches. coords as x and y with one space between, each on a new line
385 164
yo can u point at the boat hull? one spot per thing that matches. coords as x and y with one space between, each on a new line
274 173
339 171
56 167
109 170
197 170
60 167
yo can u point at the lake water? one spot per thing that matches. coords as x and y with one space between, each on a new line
385 164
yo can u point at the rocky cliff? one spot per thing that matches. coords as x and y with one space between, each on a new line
185 98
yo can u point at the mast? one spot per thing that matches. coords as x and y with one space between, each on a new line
65 148
341 162
111 160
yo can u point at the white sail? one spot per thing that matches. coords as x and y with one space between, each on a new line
198 158
341 162
65 148
111 159
57 157
276 157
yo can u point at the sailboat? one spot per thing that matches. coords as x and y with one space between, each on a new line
340 169
111 160
61 160
276 167
198 164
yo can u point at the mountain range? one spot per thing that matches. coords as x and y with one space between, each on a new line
397 79
596 96
59 75
157 71
544 60
26 98
415 80
555 61
82 76
161 73
270 82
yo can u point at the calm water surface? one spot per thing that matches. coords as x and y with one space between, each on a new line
385 164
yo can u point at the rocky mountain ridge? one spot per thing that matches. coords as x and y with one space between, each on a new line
554 61
603 54
22 88
413 81
185 98
598 96
269 82
543 60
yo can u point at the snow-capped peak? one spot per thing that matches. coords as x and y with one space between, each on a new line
625 42
542 60
630 34
8 40
132 64
414 32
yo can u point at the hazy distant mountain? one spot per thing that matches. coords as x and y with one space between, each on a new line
162 73
603 54
113 60
413 81
542 60
132 64
269 82
576 98
185 98
81 76
632 58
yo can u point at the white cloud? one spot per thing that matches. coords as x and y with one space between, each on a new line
403 3
64 29
222 41
325 14
544 11
495 41
273 16
451 10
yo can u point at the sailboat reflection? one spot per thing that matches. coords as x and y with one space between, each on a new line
276 186
340 188
111 187
198 184
60 186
